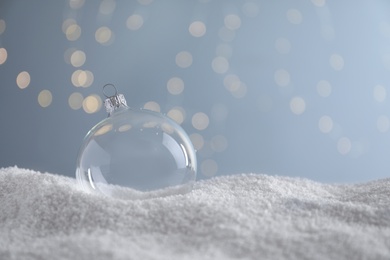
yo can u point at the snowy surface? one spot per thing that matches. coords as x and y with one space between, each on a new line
252 216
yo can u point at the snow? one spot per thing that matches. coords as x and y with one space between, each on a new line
243 216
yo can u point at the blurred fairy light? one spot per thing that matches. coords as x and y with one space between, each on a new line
220 65
250 9
319 3
23 79
380 93
75 100
294 16
73 32
232 22
197 141
197 29
344 145
103 35
177 114
45 98
231 82
134 22
219 143
336 62
107 7
325 124
282 77
183 59
68 54
76 4
153 106
77 59
2 26
209 167
175 86
383 124
82 78
3 55
92 104
200 121
324 88
297 105
282 45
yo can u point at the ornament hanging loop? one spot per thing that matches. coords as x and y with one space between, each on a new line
105 93
113 102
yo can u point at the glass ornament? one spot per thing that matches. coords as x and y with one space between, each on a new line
135 154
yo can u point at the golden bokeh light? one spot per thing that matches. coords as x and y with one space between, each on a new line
45 98
183 59
92 104
197 141
103 35
297 105
3 55
177 114
200 121
73 32
197 29
82 78
134 22
75 100
220 65
232 21
23 79
175 85
103 130
153 106
124 128
77 59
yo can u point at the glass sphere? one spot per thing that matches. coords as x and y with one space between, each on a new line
136 154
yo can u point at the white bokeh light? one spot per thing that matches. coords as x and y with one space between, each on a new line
23 79
73 32
324 88
294 16
153 106
92 104
77 59
200 121
134 22
383 123
75 100
177 114
344 145
297 105
2 26
45 98
175 85
220 65
336 62
107 7
282 77
183 59
103 35
197 28
325 124
3 55
380 93
232 21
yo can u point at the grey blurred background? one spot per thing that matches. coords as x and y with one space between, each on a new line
295 88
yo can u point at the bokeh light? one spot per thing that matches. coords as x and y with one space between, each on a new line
336 62
177 114
325 124
77 59
282 77
319 3
220 65
294 16
380 93
92 104
107 7
197 140
3 55
45 98
200 121
344 145
153 106
73 32
324 88
232 21
134 22
175 85
297 105
82 78
103 35
75 100
183 59
76 4
197 29
23 79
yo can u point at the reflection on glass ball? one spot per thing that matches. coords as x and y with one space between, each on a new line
136 154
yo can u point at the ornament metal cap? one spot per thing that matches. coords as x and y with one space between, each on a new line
114 101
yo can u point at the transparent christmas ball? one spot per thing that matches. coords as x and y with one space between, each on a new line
136 154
